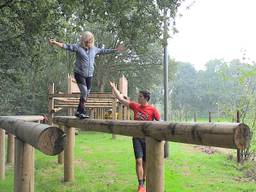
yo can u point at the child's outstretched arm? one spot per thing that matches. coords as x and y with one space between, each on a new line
54 42
120 48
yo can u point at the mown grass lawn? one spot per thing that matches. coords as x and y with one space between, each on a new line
103 164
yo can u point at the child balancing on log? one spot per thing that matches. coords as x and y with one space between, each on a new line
84 65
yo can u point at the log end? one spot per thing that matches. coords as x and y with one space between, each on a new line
51 141
242 136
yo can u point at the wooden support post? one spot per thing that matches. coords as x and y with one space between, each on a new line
23 167
51 114
50 104
238 151
2 153
155 165
128 113
120 111
10 149
69 91
32 181
194 116
210 117
61 155
69 113
114 104
69 154
101 113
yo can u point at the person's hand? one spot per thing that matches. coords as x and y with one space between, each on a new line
112 85
51 41
120 47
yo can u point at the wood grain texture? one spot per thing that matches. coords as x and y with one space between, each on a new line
46 138
227 135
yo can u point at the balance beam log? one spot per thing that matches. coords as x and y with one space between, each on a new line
46 138
226 135
27 117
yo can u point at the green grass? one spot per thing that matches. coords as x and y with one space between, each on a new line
105 165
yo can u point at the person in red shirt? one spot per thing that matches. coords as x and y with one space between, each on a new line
145 112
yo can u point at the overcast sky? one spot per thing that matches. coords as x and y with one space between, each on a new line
215 29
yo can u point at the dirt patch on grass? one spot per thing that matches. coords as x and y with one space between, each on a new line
82 164
251 174
208 150
212 150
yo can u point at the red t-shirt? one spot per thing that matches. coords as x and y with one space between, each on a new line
144 113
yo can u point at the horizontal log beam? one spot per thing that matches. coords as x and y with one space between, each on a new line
227 135
87 106
88 100
77 95
46 138
27 117
76 102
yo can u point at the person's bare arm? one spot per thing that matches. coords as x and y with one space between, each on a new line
54 42
120 48
118 95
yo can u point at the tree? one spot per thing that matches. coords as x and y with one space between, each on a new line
25 27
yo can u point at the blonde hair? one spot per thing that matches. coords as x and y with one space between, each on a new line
85 38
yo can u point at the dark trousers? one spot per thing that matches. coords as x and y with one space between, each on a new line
85 85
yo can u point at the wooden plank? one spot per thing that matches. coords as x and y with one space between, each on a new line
77 95
123 86
88 106
88 100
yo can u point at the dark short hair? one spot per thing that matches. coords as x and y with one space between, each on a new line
146 94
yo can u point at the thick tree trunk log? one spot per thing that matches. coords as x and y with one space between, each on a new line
45 138
227 135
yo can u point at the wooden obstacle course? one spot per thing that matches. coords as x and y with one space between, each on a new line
28 135
228 135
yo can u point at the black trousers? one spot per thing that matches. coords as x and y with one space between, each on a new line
84 85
